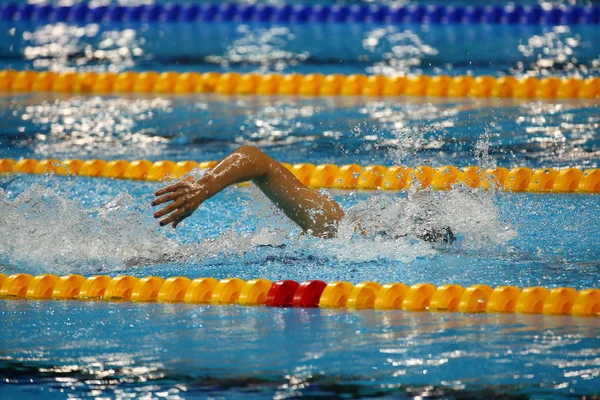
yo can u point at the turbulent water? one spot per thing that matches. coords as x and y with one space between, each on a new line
47 227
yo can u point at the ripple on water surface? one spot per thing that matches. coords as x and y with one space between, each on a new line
121 349
453 49
411 131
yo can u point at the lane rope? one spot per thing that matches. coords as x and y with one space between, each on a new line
232 83
313 293
351 176
304 13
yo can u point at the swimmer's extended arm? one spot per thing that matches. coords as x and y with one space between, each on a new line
311 210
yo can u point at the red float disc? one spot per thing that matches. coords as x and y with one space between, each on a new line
308 294
281 293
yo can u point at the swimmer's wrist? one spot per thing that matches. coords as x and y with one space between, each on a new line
206 187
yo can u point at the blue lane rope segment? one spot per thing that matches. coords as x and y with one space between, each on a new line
264 13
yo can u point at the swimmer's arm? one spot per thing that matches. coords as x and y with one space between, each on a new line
311 210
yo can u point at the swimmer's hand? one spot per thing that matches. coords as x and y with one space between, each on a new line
185 198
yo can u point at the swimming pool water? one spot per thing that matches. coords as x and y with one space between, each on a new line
115 349
82 225
497 50
409 131
182 351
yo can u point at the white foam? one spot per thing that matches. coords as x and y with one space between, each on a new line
42 228
45 230
391 222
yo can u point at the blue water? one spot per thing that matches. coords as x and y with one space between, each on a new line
117 350
305 48
409 131
89 226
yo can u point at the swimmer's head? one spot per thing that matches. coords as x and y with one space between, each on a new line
437 235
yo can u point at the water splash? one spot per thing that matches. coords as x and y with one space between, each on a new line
391 227
470 214
397 223
48 229
404 130
42 228
482 150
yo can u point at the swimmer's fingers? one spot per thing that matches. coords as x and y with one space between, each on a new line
168 209
169 189
179 219
178 215
168 197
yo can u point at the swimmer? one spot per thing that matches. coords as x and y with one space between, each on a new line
313 211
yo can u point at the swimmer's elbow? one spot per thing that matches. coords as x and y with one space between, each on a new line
250 152
255 159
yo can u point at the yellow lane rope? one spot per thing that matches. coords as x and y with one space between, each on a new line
419 297
232 83
350 176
